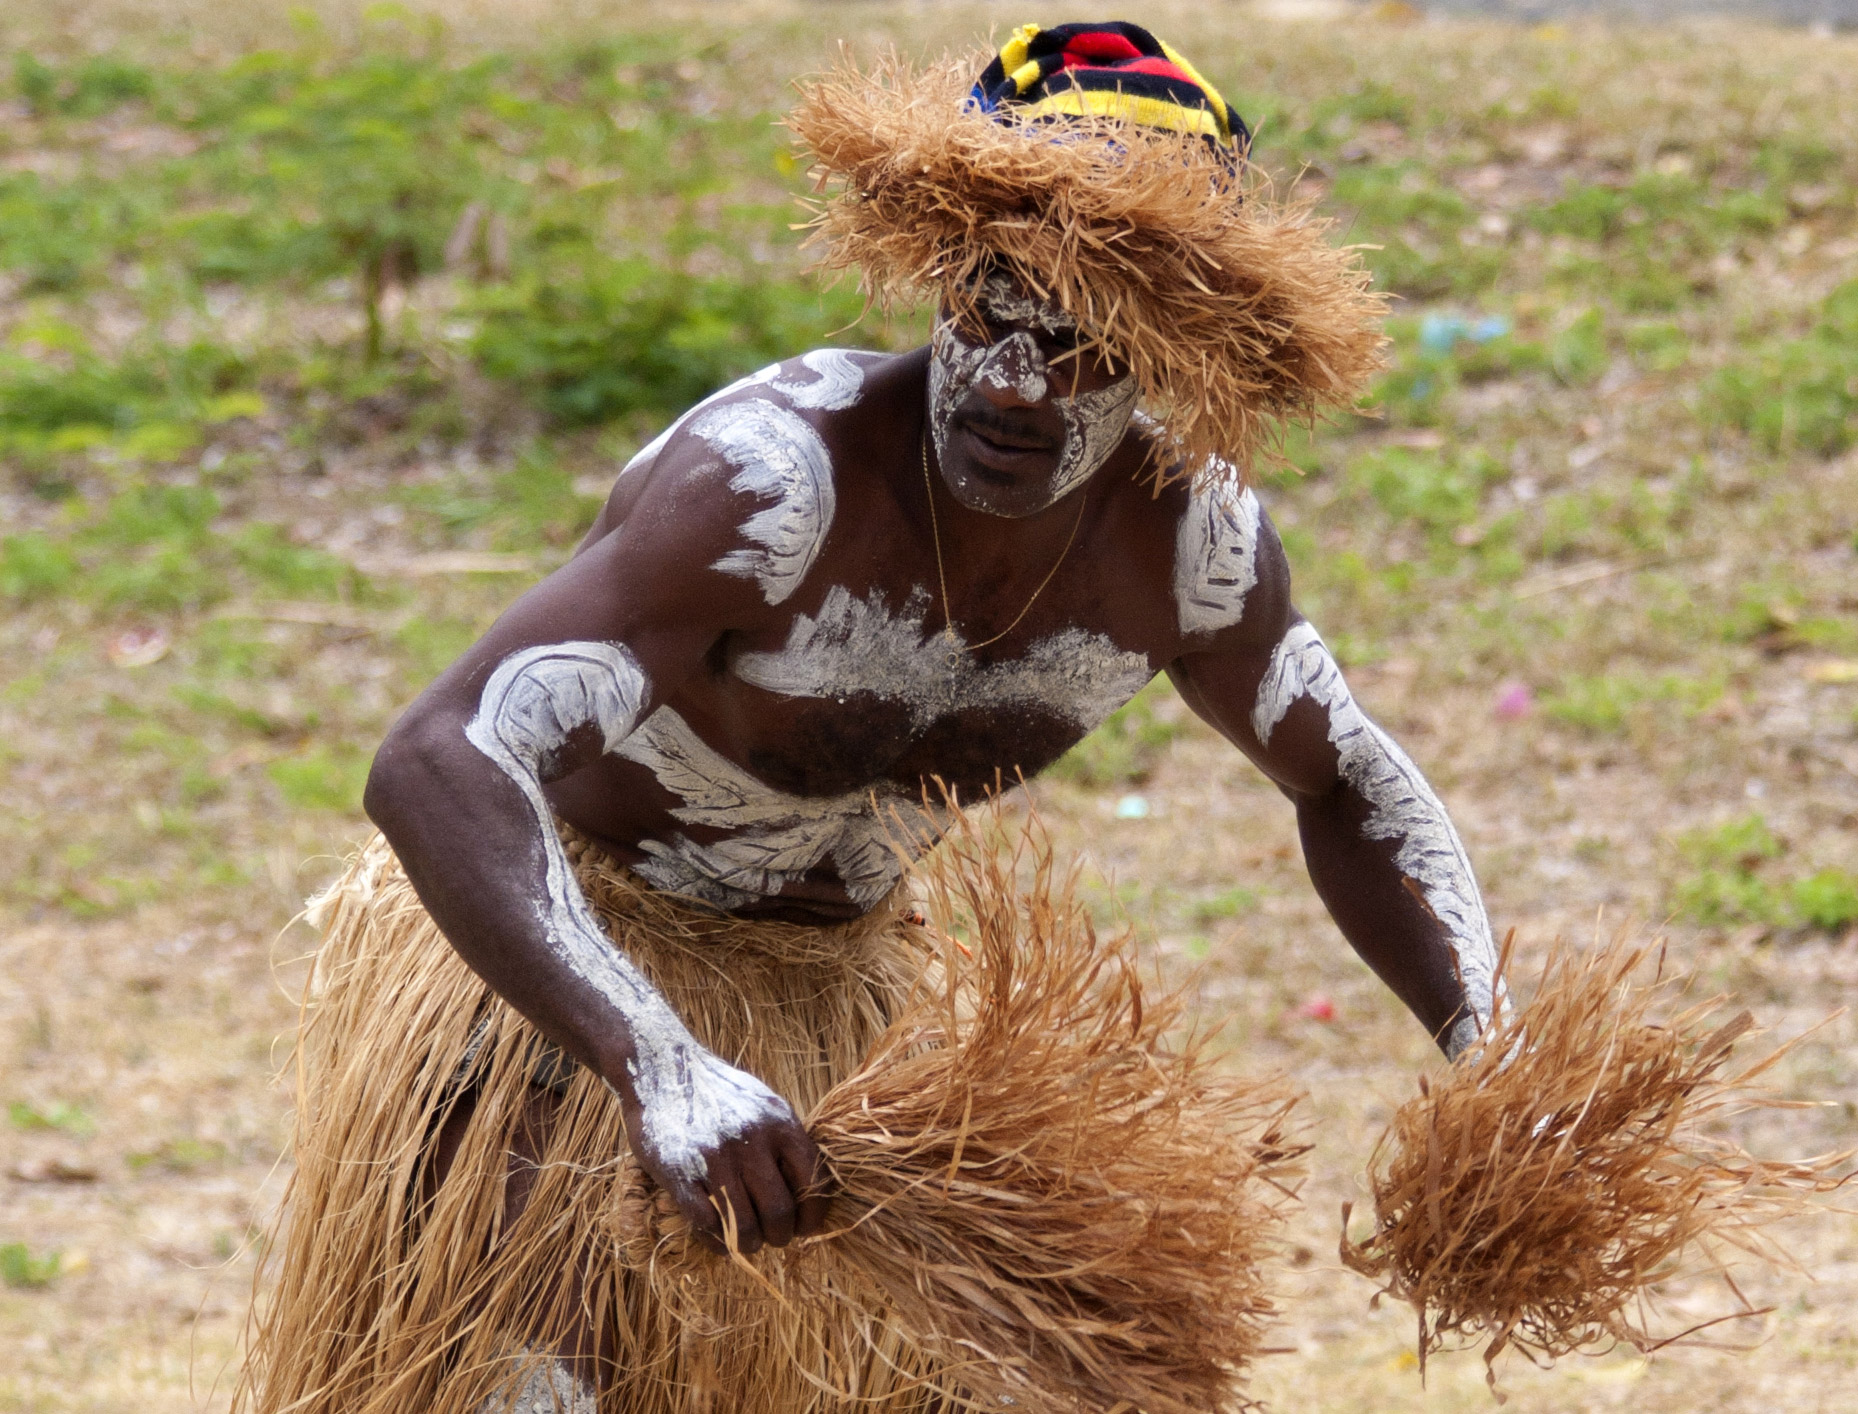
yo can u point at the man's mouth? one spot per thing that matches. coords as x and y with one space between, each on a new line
1007 439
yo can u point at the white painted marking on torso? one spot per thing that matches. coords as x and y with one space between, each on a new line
1402 805
1215 556
775 838
851 646
855 645
780 458
535 700
838 383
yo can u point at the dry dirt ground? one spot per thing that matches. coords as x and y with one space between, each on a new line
1614 619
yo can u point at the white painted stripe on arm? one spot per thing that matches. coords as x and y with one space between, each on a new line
535 700
1402 806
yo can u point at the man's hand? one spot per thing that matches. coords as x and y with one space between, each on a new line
729 1151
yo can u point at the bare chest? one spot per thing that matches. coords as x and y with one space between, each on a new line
865 690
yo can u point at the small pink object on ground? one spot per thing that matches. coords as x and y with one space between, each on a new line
1316 1007
1514 701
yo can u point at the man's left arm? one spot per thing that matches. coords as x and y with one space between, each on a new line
1379 847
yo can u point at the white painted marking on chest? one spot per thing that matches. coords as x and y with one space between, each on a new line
1402 805
1215 557
780 458
774 837
535 700
854 646
838 381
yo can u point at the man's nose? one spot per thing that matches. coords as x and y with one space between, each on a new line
1014 375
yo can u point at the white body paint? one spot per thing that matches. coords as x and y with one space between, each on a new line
780 458
1402 807
774 837
646 455
838 381
854 646
838 384
689 1100
1215 556
548 1388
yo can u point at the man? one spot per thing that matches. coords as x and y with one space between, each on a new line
824 586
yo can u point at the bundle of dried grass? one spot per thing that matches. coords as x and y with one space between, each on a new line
1234 315
1039 1192
1041 1197
1534 1195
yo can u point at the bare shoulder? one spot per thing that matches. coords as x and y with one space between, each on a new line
1229 579
749 464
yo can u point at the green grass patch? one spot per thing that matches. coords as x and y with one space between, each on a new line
1732 882
1128 746
58 1115
159 548
1799 394
1605 704
22 1268
183 1155
322 778
608 338
1828 899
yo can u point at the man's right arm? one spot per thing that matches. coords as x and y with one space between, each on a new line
457 788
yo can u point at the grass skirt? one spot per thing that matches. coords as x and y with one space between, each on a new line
385 1304
1047 1199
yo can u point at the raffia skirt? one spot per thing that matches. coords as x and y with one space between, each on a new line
388 1298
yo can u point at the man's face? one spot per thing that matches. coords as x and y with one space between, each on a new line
1017 425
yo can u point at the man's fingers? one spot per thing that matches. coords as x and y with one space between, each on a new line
694 1203
773 1196
734 1209
805 1171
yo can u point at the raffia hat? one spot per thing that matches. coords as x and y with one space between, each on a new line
1098 166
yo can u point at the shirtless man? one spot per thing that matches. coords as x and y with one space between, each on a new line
779 622
820 588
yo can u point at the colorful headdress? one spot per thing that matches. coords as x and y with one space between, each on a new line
1114 70
1234 315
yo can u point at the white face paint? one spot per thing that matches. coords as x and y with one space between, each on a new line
1005 304
1402 807
855 646
1094 421
780 458
1215 557
536 699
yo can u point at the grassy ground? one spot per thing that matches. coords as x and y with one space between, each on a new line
314 350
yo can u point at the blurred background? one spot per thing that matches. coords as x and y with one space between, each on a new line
324 328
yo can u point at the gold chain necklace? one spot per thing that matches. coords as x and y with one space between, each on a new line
941 575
